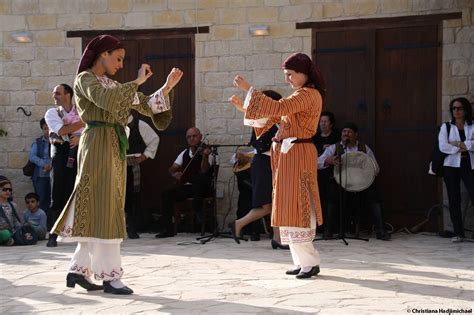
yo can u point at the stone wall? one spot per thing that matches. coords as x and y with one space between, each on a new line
28 72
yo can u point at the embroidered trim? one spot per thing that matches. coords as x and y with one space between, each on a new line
159 103
81 207
293 237
66 231
306 186
80 270
113 275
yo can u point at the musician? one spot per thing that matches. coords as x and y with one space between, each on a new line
332 157
143 144
193 175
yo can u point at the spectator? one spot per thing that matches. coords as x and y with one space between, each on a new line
9 220
40 156
34 216
459 163
64 141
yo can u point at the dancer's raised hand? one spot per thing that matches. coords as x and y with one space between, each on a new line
143 74
173 78
241 83
237 102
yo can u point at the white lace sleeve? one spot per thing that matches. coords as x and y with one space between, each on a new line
159 102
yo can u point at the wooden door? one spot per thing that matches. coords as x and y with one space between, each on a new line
386 81
162 53
406 116
346 61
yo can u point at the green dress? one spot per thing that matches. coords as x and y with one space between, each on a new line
95 209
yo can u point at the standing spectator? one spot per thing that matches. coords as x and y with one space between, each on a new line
458 143
326 136
64 166
34 216
40 156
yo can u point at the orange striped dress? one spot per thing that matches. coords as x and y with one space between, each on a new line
295 188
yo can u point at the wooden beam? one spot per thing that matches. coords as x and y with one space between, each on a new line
384 22
141 33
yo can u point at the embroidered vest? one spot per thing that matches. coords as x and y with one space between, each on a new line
135 140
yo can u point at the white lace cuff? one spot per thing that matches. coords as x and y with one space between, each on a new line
159 102
248 97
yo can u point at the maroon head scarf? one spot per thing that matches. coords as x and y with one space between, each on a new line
96 46
300 62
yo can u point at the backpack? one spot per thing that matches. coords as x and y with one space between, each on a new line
29 168
437 157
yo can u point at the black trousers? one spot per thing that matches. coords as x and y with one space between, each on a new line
354 203
131 202
452 179
198 190
62 181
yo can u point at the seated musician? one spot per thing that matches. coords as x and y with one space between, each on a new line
331 157
193 175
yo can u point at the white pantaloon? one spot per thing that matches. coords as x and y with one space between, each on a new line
98 259
301 244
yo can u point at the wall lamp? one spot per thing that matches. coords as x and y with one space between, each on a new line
259 30
22 37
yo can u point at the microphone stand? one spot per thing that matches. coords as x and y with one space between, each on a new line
206 238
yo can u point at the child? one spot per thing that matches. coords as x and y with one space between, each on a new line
9 221
34 216
68 119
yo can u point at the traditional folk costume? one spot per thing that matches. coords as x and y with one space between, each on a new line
94 215
296 206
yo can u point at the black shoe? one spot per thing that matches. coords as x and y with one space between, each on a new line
276 245
52 240
255 237
236 238
133 235
305 275
293 272
163 234
383 236
73 278
108 288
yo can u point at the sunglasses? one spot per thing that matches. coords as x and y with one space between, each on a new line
458 108
7 189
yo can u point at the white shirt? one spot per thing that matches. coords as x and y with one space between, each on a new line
179 159
54 122
454 157
149 136
331 150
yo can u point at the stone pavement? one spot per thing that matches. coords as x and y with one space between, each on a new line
412 273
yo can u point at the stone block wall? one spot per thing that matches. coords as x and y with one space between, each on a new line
29 71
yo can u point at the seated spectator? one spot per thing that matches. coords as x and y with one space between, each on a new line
9 220
40 156
34 216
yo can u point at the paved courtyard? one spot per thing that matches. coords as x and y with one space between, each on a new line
411 274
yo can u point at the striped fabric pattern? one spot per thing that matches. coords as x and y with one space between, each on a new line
99 193
295 188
